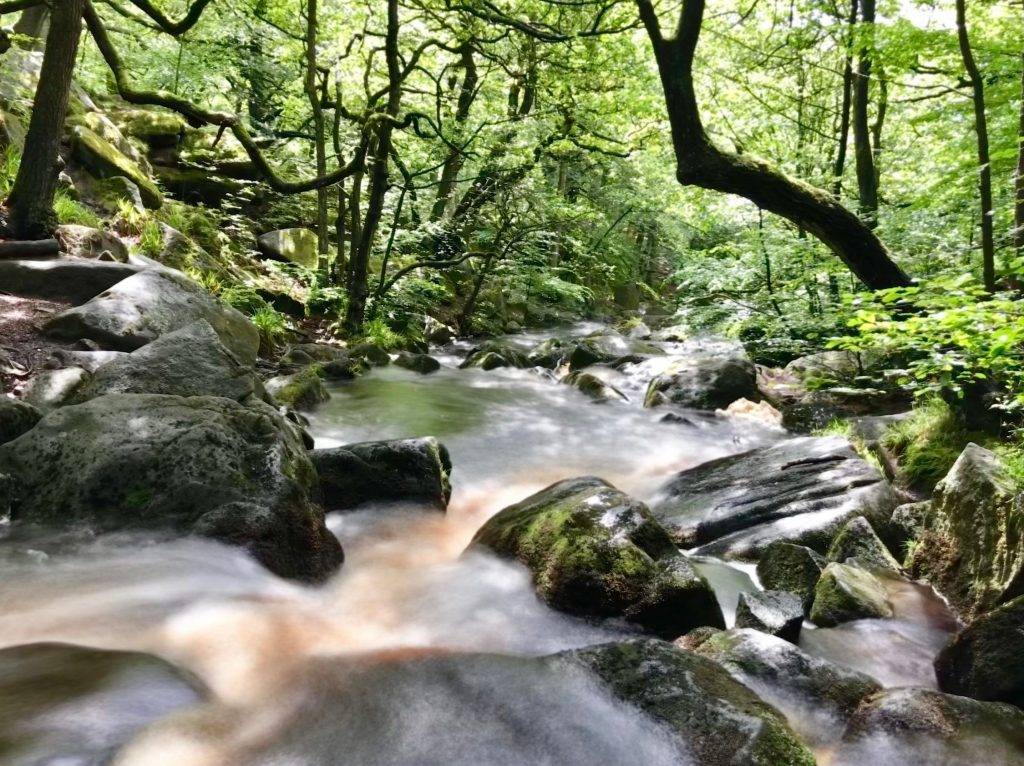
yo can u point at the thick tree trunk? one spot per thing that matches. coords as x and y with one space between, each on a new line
1018 210
701 163
867 179
465 316
31 198
988 249
359 289
319 128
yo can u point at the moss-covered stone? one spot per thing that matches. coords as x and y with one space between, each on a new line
424 364
302 390
103 160
857 540
371 353
793 568
709 376
719 720
157 128
493 354
594 551
594 387
295 245
847 592
775 612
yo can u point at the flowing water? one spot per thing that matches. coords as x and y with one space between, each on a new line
417 651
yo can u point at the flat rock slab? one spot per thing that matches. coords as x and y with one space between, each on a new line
150 304
800 490
72 280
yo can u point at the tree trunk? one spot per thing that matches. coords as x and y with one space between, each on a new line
867 184
31 198
359 288
319 129
1018 210
456 159
839 167
988 249
700 163
470 306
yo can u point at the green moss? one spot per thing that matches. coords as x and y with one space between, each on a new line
926 444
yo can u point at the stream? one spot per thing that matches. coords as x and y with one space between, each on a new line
417 651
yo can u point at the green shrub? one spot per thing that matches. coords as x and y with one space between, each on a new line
70 211
10 158
245 299
273 327
151 239
927 443
378 331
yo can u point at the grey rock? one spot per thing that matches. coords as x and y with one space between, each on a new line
775 612
421 363
16 417
594 387
793 568
846 592
293 245
857 540
49 389
303 390
72 280
711 375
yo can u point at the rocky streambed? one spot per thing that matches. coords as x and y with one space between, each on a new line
576 548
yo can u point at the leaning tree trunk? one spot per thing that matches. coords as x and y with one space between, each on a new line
988 248
700 163
31 198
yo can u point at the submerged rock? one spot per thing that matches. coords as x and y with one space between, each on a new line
493 354
775 612
424 364
594 387
719 720
302 390
549 354
75 705
152 303
800 490
986 659
191 361
925 726
16 417
857 540
403 470
846 593
711 376
973 547
597 552
786 676
793 568
146 461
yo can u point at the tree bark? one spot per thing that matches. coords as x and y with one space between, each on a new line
31 198
456 159
381 151
839 167
988 249
1018 209
319 129
867 183
700 163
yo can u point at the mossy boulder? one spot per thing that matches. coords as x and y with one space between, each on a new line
302 390
191 361
847 592
111 193
292 245
402 470
718 720
147 461
800 490
594 387
302 354
788 677
793 568
16 417
711 375
73 280
986 659
197 186
371 353
973 547
549 353
917 726
775 612
103 160
857 540
424 364
597 552
343 368
493 354
87 242
149 304
158 129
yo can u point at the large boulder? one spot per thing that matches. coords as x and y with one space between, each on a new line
493 354
986 659
846 592
793 568
813 691
718 719
64 704
711 375
152 303
912 725
972 549
146 461
775 612
104 160
16 417
73 280
404 470
424 364
158 129
800 490
198 185
857 540
302 390
292 245
597 552
191 361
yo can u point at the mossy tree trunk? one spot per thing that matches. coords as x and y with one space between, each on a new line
31 198
700 163
864 154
